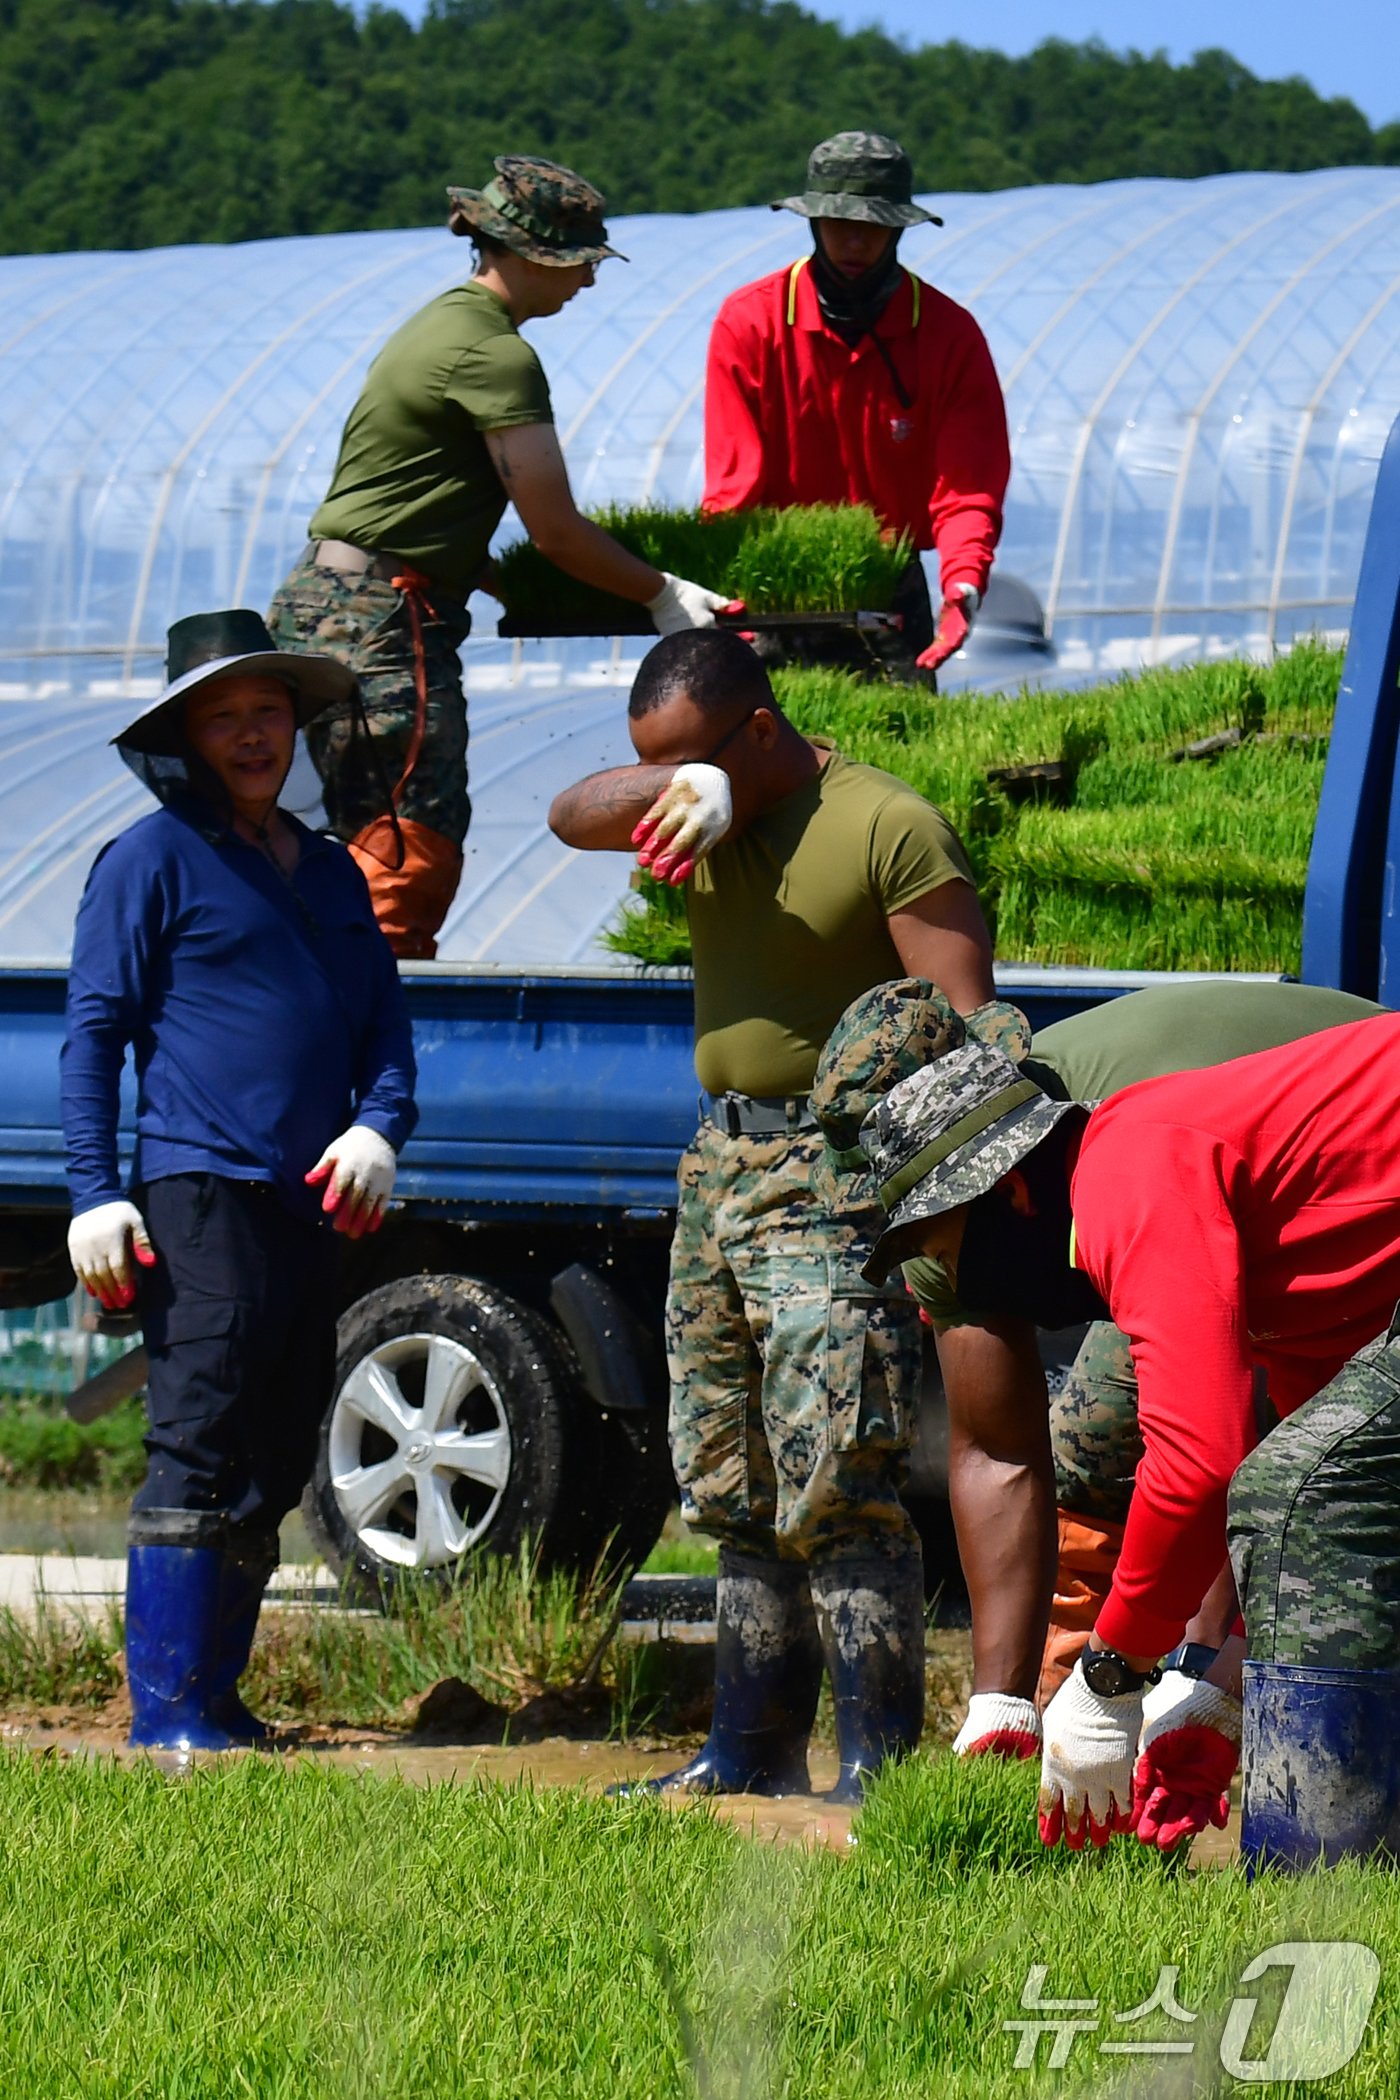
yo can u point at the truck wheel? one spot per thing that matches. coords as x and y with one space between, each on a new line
450 1432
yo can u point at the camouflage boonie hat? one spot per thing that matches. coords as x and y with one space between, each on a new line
544 212
946 1135
860 175
886 1035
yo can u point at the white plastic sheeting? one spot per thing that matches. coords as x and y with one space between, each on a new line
1200 379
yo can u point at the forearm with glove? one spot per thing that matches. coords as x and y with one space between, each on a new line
686 821
680 604
959 610
1086 1773
101 1244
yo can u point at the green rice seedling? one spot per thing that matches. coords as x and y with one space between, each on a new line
652 926
826 558
1047 923
304 1934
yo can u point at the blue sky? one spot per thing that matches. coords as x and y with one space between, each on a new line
1345 47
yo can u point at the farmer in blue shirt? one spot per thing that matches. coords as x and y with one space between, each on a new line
237 954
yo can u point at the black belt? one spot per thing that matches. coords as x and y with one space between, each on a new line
757 1115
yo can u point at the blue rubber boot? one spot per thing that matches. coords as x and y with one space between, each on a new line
870 1615
768 1667
248 1567
174 1597
1321 1765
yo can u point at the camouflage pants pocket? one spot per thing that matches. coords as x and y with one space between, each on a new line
1314 1525
840 1393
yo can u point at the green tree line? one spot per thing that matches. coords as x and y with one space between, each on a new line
132 123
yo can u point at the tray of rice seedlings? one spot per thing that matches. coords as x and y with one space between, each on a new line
1191 798
812 566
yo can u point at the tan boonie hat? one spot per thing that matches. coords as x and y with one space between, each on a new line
860 175
542 211
886 1035
946 1135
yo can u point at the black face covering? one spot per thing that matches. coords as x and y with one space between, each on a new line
1012 1267
851 306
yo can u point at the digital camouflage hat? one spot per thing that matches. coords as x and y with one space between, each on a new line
544 212
946 1135
860 175
886 1035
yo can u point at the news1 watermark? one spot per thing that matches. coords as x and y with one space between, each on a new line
1314 2032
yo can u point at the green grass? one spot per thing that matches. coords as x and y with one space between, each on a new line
298 1934
510 1632
825 558
1156 862
41 1448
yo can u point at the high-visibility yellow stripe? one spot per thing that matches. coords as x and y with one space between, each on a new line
798 267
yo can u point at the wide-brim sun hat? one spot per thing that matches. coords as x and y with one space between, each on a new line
539 210
946 1136
860 175
208 646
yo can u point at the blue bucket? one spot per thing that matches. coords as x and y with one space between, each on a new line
1321 1764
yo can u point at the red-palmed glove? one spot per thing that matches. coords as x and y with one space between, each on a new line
1086 1773
1187 1757
688 818
358 1169
954 626
998 1725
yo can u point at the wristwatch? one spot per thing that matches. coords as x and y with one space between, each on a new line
1109 1674
1191 1659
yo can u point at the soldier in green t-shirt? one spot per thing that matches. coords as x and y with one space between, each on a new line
1012 1488
793 1382
454 423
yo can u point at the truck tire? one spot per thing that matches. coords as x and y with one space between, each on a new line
453 1430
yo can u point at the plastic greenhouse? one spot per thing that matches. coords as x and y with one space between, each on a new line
1200 378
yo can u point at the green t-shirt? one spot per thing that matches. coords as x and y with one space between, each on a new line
789 921
1145 1035
414 476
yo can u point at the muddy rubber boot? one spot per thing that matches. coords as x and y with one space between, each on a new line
174 1597
249 1561
870 1615
768 1667
1321 1766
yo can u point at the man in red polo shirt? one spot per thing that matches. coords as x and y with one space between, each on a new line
845 379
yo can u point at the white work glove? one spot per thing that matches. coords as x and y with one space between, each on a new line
688 818
1187 1757
100 1245
1086 1773
358 1169
998 1725
679 604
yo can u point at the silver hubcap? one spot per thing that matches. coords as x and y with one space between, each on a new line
419 1450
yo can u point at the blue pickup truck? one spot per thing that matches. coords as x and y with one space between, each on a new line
500 1368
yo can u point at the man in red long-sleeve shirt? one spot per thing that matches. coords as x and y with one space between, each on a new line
1244 1215
844 379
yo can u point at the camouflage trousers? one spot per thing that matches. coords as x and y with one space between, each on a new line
1314 1525
1094 1437
794 1383
365 624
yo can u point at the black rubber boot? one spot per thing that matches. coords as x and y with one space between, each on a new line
768 1666
249 1561
870 1615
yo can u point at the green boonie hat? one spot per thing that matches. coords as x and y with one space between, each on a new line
860 175
544 212
946 1135
886 1035
206 646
